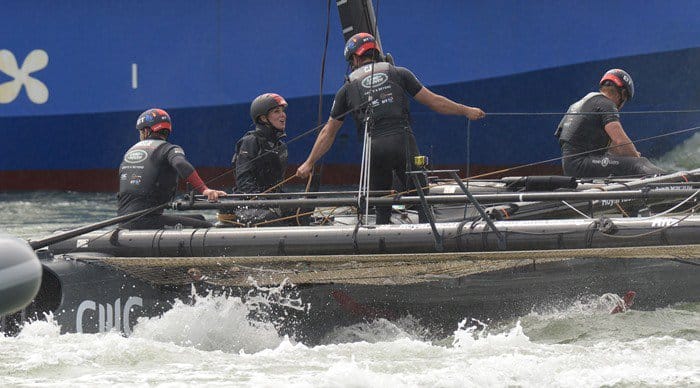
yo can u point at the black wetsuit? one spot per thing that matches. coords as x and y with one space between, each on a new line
260 161
148 177
584 142
393 143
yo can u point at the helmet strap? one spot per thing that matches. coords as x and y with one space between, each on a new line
147 133
622 98
144 133
263 120
354 62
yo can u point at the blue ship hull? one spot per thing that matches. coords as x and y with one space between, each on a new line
204 63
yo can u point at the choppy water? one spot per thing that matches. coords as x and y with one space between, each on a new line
213 343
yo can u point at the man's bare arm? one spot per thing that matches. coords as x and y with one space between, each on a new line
446 106
323 143
621 143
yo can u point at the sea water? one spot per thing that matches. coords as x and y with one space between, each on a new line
213 343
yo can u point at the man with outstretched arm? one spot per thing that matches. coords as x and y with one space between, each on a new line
386 88
596 145
148 175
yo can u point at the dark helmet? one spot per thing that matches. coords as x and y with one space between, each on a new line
359 44
264 103
156 119
621 79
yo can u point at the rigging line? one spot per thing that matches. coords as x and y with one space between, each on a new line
635 236
567 156
321 80
576 210
364 188
376 19
510 232
515 114
279 184
585 152
323 62
689 212
673 208
365 170
283 218
294 139
469 147
220 175
591 113
310 181
84 243
289 217
320 111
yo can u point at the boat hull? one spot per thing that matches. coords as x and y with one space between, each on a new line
89 296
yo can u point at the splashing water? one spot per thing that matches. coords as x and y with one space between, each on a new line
215 341
245 324
182 325
685 156
225 341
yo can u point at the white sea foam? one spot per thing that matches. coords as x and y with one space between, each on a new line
572 344
223 347
685 156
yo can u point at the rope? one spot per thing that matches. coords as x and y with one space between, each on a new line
621 209
363 189
469 146
293 140
228 219
680 131
576 210
655 231
279 184
675 207
641 112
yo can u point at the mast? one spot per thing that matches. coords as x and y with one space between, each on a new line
358 16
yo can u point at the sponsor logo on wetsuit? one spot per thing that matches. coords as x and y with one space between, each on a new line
135 180
136 156
605 162
374 80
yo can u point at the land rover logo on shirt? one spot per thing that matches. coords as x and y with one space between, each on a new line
374 80
135 156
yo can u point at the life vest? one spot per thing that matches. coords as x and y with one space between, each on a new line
146 173
389 105
583 132
270 162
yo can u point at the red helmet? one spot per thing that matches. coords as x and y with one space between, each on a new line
264 103
359 44
154 118
621 79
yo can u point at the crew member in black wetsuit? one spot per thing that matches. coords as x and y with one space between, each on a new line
595 145
260 159
393 144
148 175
